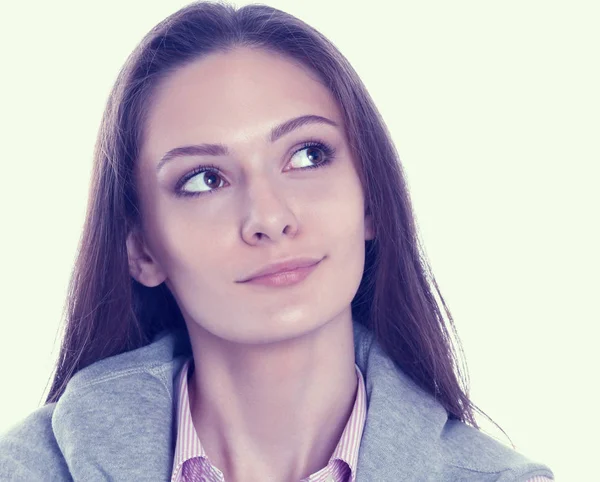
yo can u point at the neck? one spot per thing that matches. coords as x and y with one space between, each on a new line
274 411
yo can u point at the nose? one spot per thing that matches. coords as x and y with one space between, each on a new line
268 215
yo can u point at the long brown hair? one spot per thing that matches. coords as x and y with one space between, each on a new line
108 312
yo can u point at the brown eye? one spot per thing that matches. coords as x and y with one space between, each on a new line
202 180
211 179
313 154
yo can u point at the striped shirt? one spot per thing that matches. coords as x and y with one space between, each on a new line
191 463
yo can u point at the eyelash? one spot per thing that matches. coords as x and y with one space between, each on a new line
328 151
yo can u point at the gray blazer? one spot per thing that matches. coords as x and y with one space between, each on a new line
115 422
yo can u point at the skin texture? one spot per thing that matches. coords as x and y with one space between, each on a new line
274 381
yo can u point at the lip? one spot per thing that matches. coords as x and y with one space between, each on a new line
282 271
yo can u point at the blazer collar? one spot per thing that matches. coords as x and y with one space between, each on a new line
97 441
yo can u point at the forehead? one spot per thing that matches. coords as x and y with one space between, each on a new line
226 97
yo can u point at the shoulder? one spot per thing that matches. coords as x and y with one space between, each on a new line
467 450
407 431
38 447
156 362
29 451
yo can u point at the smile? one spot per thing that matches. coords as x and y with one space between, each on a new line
284 278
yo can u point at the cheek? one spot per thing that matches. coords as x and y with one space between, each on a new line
340 212
181 227
192 243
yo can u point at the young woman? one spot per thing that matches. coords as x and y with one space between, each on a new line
250 301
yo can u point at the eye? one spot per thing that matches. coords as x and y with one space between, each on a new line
315 153
312 153
200 180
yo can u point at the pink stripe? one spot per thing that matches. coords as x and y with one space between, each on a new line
191 462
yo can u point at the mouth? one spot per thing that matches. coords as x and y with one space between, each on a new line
284 276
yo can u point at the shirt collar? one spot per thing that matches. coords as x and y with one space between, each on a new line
188 444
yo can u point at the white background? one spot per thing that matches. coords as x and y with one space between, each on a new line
494 107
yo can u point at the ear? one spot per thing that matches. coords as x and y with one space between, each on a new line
142 265
369 228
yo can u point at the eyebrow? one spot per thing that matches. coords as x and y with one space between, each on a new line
222 150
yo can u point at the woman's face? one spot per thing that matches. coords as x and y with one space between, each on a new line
260 203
